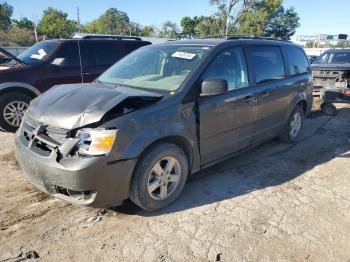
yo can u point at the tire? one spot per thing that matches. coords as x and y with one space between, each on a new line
8 102
287 135
146 184
329 109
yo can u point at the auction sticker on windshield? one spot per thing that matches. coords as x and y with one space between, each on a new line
40 55
183 55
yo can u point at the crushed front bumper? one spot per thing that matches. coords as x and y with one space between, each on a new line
88 181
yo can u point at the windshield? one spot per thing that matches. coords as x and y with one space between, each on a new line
37 53
334 58
155 67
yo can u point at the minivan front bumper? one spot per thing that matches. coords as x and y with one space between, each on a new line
88 181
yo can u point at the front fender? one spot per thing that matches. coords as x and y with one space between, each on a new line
9 85
138 130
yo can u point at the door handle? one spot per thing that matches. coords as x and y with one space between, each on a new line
263 94
86 73
250 99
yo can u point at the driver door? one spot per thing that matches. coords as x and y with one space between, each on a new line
227 120
64 67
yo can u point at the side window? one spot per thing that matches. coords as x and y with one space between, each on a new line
230 65
106 53
298 63
268 63
67 55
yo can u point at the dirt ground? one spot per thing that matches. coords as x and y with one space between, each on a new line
277 202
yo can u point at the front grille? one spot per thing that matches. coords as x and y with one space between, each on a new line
42 137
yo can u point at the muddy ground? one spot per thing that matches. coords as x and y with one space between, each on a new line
278 202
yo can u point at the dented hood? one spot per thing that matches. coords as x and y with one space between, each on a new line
73 106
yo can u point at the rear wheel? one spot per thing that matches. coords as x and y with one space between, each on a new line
160 177
12 109
329 109
294 125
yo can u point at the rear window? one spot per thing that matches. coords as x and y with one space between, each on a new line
106 53
268 63
298 63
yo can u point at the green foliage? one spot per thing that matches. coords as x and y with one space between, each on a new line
6 11
255 20
309 44
23 23
148 30
169 30
54 24
269 18
16 36
112 21
283 24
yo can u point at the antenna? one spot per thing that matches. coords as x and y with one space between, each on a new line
78 19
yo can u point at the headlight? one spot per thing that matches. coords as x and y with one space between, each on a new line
96 141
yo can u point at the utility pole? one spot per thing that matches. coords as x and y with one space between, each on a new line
35 32
227 17
78 22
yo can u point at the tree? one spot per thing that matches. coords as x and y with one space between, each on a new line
23 23
229 12
148 30
283 23
169 30
112 21
6 12
16 36
188 25
269 18
255 20
54 24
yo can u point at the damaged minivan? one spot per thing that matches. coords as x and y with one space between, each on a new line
160 114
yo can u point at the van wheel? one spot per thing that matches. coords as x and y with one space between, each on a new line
329 109
159 177
12 108
294 125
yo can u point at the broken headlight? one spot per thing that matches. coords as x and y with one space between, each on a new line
96 142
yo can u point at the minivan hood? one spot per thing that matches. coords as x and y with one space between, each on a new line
78 105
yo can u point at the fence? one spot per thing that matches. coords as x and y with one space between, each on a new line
15 50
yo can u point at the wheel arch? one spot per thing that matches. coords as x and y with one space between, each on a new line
303 105
177 140
16 87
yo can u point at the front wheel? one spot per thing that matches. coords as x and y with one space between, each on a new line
159 177
12 109
294 125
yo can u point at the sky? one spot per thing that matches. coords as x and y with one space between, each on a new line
316 16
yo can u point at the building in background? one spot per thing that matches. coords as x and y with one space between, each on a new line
323 40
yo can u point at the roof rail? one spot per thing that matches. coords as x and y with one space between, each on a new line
232 37
102 36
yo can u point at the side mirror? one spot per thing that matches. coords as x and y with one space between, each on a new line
215 86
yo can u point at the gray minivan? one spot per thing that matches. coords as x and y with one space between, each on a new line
160 114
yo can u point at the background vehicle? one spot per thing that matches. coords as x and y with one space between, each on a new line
331 70
77 60
312 58
161 113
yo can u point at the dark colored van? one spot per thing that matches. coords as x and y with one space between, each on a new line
77 60
160 114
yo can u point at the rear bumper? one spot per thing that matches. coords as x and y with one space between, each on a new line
89 181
